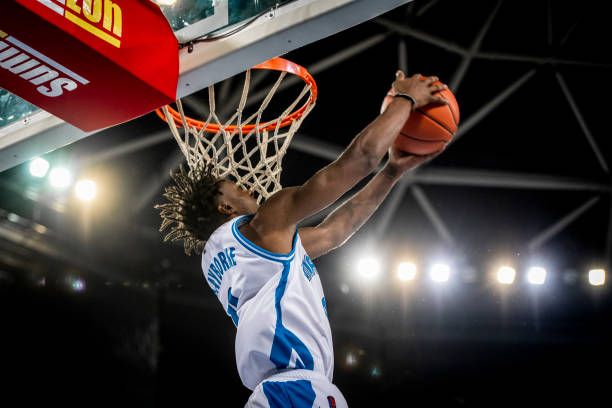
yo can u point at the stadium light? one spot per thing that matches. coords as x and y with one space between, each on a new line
85 190
165 2
60 177
597 277
536 275
505 275
440 272
351 360
368 268
75 284
39 167
78 285
406 271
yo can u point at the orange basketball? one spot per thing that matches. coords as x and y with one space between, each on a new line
429 127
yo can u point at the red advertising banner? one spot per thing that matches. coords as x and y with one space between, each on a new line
92 63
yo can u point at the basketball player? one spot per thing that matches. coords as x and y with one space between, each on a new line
260 266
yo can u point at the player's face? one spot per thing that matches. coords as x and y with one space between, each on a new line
242 201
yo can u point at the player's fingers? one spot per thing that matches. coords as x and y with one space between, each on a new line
399 74
438 88
431 156
440 100
417 76
430 80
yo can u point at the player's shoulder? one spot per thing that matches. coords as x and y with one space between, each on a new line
272 215
221 234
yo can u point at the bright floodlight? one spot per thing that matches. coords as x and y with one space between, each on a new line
85 190
505 275
406 271
39 167
351 360
597 277
165 2
78 285
368 267
440 272
60 177
536 275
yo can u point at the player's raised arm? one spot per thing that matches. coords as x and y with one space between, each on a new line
291 205
345 220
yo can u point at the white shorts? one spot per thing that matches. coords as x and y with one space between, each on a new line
296 389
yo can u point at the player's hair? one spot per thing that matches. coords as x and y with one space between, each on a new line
192 208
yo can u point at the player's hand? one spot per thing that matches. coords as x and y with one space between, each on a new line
422 89
400 162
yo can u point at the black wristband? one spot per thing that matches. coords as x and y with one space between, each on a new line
406 96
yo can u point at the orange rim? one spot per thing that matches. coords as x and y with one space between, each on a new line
276 64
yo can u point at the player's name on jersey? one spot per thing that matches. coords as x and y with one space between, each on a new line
49 76
308 268
220 263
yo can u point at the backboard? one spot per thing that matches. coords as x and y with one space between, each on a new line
237 34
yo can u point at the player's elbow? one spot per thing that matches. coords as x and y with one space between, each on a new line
331 237
335 237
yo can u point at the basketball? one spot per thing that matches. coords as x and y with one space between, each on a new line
430 128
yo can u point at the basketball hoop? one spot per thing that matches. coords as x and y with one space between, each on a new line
248 150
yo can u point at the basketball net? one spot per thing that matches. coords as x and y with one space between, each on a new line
245 149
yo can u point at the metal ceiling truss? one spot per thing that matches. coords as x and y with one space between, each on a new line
482 179
427 174
446 45
543 237
469 55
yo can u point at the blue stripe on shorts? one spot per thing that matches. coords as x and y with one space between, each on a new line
295 394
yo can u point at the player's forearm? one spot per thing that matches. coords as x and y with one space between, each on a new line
345 220
373 142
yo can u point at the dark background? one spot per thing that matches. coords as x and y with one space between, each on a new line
147 331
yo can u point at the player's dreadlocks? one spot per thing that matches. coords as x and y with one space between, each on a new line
192 207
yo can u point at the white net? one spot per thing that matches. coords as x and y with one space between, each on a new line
248 150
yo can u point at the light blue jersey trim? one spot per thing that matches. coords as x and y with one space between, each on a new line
258 250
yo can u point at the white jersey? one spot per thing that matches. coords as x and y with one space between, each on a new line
276 302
